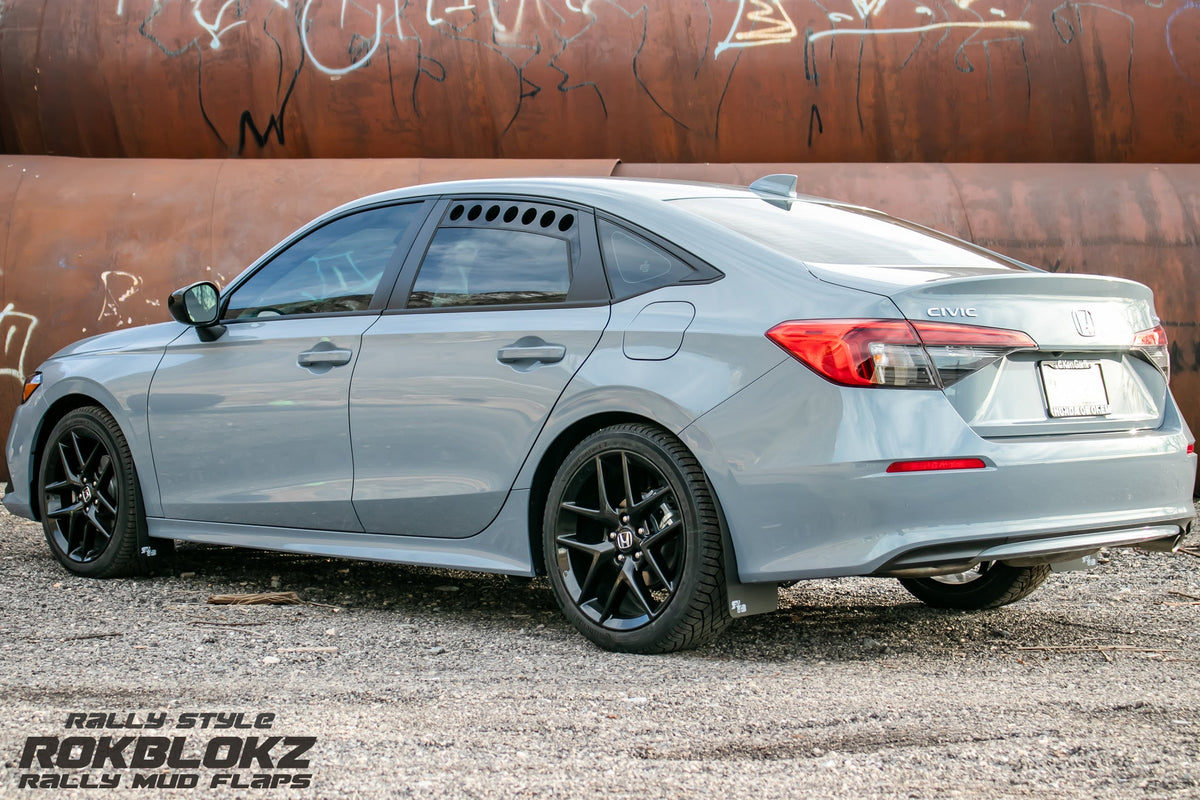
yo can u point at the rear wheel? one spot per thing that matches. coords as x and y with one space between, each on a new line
633 542
987 585
91 505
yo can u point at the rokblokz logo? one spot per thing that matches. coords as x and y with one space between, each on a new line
237 750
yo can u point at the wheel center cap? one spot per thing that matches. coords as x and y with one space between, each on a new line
86 494
625 539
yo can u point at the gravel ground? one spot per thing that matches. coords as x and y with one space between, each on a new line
430 683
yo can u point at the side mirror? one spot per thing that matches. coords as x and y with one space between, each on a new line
197 305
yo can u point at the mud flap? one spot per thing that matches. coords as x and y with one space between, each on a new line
744 599
154 556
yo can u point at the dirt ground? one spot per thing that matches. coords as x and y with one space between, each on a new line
423 683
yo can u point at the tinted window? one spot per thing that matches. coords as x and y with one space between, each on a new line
833 237
636 265
492 266
335 268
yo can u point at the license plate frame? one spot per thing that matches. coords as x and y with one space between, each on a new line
1074 388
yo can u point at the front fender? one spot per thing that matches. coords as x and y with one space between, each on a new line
119 382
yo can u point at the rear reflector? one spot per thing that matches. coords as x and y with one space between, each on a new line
937 464
1191 449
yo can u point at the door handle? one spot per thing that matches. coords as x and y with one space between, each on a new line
546 353
324 358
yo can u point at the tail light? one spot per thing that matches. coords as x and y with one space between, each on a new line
1153 344
896 353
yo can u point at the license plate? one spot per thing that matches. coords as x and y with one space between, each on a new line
1074 388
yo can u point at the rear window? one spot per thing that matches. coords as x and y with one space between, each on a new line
841 237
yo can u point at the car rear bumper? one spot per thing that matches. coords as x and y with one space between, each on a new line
810 496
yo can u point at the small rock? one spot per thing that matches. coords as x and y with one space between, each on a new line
331 632
447 588
271 660
636 701
436 651
187 574
275 582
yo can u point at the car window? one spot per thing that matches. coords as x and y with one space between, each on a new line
636 265
335 268
492 266
842 238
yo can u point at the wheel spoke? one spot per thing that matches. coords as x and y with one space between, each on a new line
90 515
78 453
629 577
596 550
601 488
656 538
71 477
628 485
598 515
652 498
652 563
106 467
70 510
109 505
610 602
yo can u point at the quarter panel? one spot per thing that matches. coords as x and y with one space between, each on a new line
800 467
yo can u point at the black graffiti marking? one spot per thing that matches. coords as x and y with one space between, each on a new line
814 116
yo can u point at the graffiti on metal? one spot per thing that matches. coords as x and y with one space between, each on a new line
643 80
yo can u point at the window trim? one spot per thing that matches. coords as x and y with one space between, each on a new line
386 280
587 289
707 272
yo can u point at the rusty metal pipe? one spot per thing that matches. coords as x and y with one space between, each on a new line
643 80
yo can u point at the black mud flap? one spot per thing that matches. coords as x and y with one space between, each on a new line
744 599
155 556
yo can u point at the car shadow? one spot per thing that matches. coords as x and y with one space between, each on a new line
853 619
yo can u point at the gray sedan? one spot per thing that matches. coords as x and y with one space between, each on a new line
668 398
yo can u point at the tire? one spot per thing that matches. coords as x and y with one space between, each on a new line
90 500
988 585
633 543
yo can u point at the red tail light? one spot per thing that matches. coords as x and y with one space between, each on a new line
897 353
1153 344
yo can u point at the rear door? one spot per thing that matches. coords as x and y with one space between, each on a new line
489 321
253 427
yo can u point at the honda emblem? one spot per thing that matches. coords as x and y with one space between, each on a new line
1083 322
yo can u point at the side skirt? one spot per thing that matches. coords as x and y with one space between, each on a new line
502 547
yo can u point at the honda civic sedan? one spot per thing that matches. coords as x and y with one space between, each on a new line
668 398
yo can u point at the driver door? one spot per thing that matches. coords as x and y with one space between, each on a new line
253 427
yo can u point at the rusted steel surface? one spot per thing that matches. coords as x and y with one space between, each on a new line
642 80
89 245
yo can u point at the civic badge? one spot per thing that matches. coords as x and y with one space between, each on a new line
1083 322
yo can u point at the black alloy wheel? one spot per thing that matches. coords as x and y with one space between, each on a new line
91 506
988 585
633 542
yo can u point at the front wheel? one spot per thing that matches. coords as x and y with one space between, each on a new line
633 542
987 585
91 506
